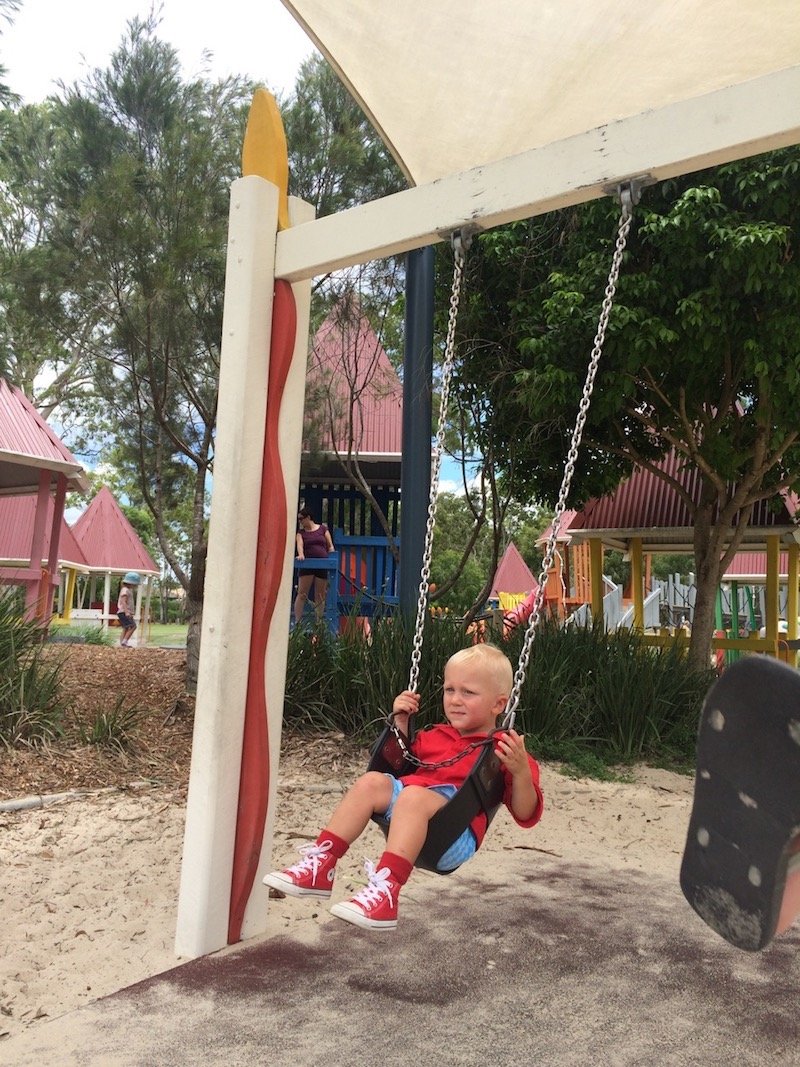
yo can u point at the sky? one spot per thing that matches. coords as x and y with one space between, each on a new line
52 40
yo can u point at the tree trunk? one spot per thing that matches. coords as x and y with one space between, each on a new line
708 543
194 617
707 582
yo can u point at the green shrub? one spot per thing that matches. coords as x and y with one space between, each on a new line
31 711
115 728
348 683
588 696
80 635
609 693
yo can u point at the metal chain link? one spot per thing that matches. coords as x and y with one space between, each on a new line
422 765
623 227
460 244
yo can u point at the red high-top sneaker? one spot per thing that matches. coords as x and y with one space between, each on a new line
375 907
311 877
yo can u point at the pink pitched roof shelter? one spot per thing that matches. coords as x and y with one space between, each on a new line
17 516
28 446
645 506
513 574
33 460
354 398
108 540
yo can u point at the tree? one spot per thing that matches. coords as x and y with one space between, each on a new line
702 353
44 336
7 10
336 161
142 178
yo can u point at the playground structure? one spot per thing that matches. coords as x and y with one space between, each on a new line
483 145
645 516
352 442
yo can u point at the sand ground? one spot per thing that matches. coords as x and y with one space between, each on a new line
88 886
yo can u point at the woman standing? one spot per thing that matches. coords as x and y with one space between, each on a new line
313 542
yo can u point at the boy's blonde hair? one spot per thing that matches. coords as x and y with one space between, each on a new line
492 660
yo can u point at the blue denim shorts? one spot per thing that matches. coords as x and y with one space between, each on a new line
462 849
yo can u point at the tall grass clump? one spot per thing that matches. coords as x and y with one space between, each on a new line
589 697
347 682
115 728
31 711
611 694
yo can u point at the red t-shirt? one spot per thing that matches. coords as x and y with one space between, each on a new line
443 741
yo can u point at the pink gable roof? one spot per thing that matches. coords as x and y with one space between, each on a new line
646 504
752 567
513 574
108 540
350 376
17 514
28 445
564 536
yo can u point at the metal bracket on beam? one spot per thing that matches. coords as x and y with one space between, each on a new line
629 192
461 239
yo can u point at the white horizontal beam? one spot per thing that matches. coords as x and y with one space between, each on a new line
741 120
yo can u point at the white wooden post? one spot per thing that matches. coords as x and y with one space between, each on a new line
204 897
291 441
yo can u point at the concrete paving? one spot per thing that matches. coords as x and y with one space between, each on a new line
557 966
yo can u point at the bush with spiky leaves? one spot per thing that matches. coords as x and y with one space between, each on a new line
586 694
31 709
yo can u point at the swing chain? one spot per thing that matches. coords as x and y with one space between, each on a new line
461 241
628 197
402 741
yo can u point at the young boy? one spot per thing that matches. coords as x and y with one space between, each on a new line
477 682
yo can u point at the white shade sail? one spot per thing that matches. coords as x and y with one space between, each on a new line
456 84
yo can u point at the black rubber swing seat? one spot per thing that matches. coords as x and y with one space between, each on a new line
481 791
746 809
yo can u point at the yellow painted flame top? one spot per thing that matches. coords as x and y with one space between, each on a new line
264 151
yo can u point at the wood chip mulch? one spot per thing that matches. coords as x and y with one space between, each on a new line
93 677
152 680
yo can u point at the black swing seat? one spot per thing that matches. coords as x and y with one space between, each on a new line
482 790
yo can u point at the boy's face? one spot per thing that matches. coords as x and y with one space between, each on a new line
471 701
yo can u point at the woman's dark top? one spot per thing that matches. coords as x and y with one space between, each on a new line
314 543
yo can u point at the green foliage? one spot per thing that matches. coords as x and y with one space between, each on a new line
463 594
113 729
666 564
83 635
589 698
31 711
336 159
348 683
610 693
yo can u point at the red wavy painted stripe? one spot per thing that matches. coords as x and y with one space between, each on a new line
273 530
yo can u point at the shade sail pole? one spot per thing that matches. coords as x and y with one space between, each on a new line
415 478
